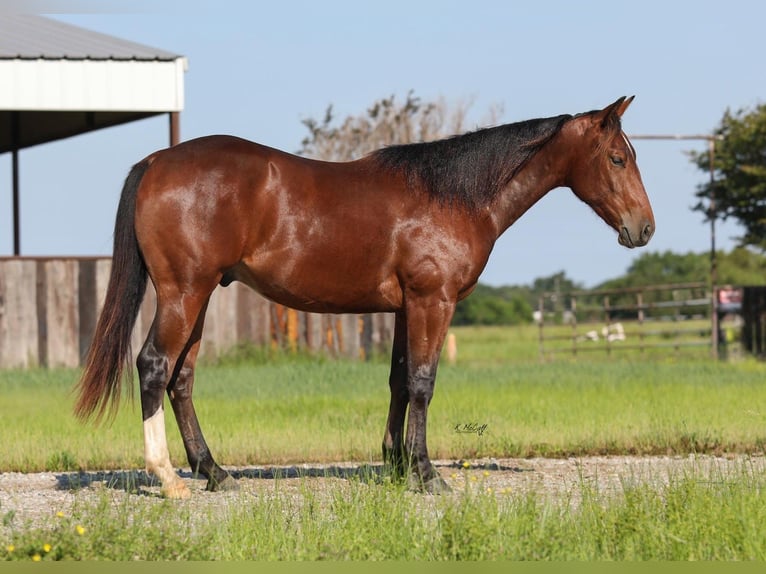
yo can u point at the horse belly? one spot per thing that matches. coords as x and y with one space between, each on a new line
320 286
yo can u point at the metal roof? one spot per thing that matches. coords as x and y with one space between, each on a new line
33 37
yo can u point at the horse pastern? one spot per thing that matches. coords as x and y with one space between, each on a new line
176 491
434 485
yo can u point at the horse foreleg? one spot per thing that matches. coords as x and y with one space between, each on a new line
180 394
427 324
393 440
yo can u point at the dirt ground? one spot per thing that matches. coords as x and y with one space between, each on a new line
32 500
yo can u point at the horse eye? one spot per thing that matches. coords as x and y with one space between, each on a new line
618 161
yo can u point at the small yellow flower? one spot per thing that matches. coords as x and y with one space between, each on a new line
36 558
485 473
466 464
80 529
474 479
59 514
46 548
489 490
10 548
453 475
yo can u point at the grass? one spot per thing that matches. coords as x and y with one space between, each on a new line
332 411
259 409
692 517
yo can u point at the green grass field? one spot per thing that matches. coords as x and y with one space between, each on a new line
320 410
305 409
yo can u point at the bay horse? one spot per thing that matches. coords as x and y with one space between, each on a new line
407 229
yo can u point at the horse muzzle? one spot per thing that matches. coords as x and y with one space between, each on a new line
638 237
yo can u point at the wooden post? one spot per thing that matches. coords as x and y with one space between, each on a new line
574 324
451 349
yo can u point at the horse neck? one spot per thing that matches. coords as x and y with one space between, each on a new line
546 170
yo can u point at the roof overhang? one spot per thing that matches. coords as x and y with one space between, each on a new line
43 100
59 80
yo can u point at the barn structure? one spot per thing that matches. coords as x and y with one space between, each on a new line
59 80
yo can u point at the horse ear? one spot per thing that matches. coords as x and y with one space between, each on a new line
624 103
614 111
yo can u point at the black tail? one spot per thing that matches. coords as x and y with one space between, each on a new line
110 357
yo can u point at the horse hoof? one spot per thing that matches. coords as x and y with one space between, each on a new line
437 485
228 484
178 491
434 485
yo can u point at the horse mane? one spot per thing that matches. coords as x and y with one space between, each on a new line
469 170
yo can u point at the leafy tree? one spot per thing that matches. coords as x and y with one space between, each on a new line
556 283
741 267
489 305
661 269
739 186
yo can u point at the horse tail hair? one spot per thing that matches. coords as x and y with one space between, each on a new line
109 358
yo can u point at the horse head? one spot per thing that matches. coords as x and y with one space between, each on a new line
606 177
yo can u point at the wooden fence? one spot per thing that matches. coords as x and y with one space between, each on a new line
49 308
665 317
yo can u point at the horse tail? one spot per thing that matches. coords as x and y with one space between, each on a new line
109 358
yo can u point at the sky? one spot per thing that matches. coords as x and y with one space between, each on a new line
256 69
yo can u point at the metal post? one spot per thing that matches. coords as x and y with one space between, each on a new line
15 145
540 335
713 260
712 215
175 128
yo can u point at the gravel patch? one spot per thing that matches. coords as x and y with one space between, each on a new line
32 500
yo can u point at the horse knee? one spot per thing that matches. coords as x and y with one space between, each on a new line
420 386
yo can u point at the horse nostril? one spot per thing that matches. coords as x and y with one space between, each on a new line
647 233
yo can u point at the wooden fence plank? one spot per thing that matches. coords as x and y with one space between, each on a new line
49 308
59 284
18 314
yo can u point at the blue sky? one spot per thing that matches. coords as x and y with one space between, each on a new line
257 69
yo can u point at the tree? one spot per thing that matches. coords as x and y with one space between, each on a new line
489 305
739 187
386 122
652 268
556 283
741 267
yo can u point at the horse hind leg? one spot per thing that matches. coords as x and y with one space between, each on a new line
159 363
180 394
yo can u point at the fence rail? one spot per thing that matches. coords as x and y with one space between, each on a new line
49 307
661 317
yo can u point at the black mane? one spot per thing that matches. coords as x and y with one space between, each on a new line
470 169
